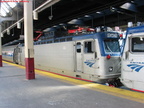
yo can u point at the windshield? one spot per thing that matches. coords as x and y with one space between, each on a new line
138 44
111 45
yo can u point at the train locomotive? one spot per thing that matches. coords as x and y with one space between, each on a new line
95 56
132 70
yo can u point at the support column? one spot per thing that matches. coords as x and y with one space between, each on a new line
28 35
0 47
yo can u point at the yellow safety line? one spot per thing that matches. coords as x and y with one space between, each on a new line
131 95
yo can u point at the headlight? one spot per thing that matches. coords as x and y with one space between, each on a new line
110 69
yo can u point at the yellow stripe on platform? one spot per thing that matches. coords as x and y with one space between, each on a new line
131 95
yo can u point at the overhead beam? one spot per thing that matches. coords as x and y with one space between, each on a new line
46 5
12 26
39 9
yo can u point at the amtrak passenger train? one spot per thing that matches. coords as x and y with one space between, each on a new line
95 57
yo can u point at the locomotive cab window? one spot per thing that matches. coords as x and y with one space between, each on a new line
137 44
111 45
88 47
78 47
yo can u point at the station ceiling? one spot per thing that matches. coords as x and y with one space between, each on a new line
102 12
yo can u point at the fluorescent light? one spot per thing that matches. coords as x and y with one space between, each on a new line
35 15
18 25
8 31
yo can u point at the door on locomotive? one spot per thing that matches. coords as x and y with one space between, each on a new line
84 54
133 61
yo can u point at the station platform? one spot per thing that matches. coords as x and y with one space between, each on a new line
49 90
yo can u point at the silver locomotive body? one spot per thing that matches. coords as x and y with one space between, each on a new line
94 57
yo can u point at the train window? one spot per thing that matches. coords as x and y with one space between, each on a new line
69 39
88 47
137 44
62 40
78 47
111 45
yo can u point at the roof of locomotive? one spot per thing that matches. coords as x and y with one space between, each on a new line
136 29
96 35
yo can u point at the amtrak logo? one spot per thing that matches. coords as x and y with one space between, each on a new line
90 63
136 67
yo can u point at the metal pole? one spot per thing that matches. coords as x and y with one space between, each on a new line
28 35
0 47
0 41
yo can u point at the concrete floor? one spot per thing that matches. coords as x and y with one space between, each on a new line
45 92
